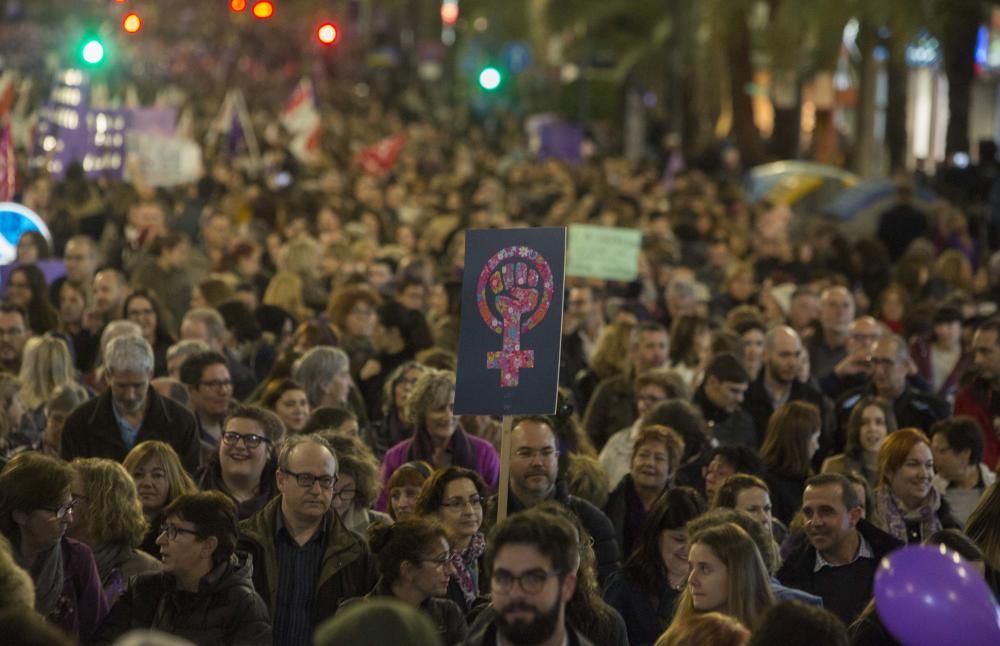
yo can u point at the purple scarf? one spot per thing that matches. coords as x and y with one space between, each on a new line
464 562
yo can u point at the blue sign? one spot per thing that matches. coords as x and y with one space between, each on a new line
516 57
511 327
15 219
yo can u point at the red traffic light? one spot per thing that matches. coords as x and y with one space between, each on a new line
132 23
263 9
327 33
449 12
237 6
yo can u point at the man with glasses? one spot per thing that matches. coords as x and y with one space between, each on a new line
211 389
534 467
203 577
890 359
534 557
207 325
305 560
130 411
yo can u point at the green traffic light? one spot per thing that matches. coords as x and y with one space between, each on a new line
93 52
489 79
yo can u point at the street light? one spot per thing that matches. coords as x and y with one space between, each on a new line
92 52
490 79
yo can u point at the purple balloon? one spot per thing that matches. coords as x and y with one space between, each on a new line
928 595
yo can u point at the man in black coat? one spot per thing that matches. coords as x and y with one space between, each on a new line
130 412
838 560
719 398
534 465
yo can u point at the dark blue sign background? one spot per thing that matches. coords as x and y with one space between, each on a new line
479 390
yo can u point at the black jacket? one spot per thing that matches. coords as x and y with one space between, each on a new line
913 408
728 428
760 407
92 432
484 632
797 572
225 610
646 615
446 616
606 548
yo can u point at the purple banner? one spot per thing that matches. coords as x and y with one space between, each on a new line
560 140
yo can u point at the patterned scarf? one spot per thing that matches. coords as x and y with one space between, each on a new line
464 562
894 516
47 574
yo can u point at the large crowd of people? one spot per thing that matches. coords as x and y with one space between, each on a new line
230 416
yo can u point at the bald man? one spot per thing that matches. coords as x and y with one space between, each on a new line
777 384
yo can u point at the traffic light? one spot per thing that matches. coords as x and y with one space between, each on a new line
490 78
449 12
263 9
327 33
237 6
132 23
92 51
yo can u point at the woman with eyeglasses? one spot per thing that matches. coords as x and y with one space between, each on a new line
414 565
454 497
357 484
244 464
159 478
108 517
36 509
391 429
205 593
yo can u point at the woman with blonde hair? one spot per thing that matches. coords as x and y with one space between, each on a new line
108 517
46 365
284 290
159 478
610 358
727 575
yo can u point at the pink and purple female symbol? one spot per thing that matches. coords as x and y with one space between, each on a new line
519 283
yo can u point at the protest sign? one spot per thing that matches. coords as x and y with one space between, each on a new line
607 253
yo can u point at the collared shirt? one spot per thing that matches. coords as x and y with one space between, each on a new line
298 573
864 552
128 432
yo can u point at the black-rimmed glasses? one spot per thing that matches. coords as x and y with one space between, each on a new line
250 440
172 531
306 480
531 581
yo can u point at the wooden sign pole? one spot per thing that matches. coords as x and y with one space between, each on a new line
504 468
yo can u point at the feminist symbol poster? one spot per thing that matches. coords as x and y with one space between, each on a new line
511 327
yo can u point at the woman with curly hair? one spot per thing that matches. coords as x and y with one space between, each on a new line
108 517
357 484
27 288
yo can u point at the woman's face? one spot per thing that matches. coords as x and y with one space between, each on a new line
756 502
238 459
873 429
151 481
27 251
71 304
912 481
344 492
18 289
674 551
432 573
293 409
651 466
339 387
753 351
403 501
440 419
140 311
708 580
461 508
715 473
404 385
892 307
360 320
42 527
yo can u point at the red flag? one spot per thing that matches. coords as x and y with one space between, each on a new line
8 166
380 157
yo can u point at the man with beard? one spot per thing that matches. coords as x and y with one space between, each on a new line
777 384
534 467
839 560
110 292
130 411
14 333
534 561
